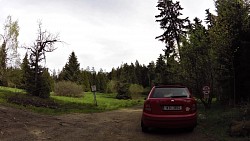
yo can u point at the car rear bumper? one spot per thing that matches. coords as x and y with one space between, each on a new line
169 121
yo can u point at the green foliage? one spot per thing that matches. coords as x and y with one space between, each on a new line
229 42
196 61
161 70
127 73
106 102
151 74
14 77
102 81
61 104
133 74
112 86
123 91
68 88
135 91
25 100
3 65
45 85
216 121
173 25
25 68
40 88
71 70
85 80
146 91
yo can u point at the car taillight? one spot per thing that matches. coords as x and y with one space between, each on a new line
147 107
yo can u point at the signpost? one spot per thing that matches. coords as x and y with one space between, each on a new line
206 91
93 89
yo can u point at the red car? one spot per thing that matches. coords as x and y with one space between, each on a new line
169 106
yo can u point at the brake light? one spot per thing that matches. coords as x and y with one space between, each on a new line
147 106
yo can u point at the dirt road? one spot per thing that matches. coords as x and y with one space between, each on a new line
119 125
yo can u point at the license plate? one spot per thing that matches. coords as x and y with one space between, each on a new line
172 108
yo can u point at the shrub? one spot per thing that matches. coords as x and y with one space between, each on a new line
68 88
32 101
146 91
135 91
45 86
112 86
123 91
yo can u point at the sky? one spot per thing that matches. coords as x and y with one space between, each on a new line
102 33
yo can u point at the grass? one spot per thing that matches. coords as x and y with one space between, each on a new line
105 102
216 121
60 104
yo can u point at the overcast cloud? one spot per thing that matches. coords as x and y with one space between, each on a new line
103 33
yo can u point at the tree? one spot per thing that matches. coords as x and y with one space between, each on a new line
228 40
11 33
38 84
14 76
151 73
85 80
210 19
127 74
102 81
3 66
196 61
8 52
172 24
26 72
144 78
71 70
160 70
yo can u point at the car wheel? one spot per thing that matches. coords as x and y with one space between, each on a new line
144 128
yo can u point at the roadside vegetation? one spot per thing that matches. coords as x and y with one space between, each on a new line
63 104
224 123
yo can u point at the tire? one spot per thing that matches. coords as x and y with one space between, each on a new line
144 128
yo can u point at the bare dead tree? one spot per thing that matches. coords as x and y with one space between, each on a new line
37 54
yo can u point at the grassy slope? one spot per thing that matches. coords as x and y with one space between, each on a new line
61 105
216 121
105 102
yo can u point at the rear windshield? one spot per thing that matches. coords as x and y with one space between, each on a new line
170 93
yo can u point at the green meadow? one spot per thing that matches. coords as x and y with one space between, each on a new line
62 105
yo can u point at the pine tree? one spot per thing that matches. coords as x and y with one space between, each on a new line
102 81
25 71
3 65
173 25
151 73
160 70
71 70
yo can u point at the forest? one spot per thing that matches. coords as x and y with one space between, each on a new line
197 52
